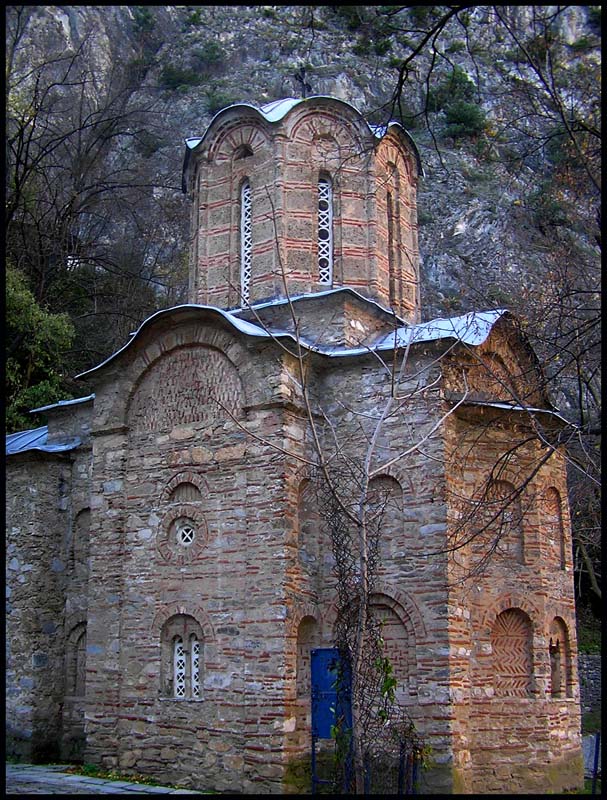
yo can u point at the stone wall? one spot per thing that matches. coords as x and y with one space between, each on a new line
43 493
203 534
590 681
514 672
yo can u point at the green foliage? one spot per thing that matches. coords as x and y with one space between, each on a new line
143 19
464 119
582 44
419 15
594 15
353 17
174 77
456 86
217 98
591 721
211 54
547 210
589 635
35 342
456 46
193 18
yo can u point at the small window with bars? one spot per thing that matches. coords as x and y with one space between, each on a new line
325 231
182 658
246 240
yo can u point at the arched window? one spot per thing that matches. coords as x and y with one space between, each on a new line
182 658
553 527
325 231
397 646
307 638
185 493
384 508
560 659
511 647
76 660
246 241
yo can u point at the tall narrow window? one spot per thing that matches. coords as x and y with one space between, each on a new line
195 665
391 253
325 231
245 241
182 659
179 664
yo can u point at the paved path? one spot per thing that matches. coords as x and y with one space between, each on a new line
35 779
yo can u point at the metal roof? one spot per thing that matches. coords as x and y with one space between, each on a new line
64 403
278 109
37 439
472 328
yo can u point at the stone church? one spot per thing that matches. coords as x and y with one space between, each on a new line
168 571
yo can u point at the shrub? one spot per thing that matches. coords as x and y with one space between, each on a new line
464 119
456 86
173 77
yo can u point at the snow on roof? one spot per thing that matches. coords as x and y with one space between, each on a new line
472 328
36 439
64 403
278 109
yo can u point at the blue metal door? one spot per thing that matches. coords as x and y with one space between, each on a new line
330 692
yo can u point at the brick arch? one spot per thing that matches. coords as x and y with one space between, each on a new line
201 332
186 476
391 151
250 131
344 126
405 607
173 609
511 600
556 611
401 604
301 611
73 620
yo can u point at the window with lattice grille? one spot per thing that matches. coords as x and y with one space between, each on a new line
179 668
246 241
325 231
182 658
195 665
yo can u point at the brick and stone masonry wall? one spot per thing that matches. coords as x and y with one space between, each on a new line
283 166
506 613
231 585
41 490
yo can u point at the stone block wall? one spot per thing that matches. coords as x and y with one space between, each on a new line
43 495
512 630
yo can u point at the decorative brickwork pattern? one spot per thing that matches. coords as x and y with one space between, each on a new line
188 385
512 658
183 534
396 647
